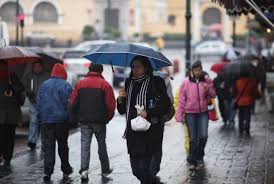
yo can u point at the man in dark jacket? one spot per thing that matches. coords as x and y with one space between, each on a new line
53 113
32 82
12 95
93 101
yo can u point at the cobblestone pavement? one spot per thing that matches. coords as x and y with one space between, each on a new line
230 158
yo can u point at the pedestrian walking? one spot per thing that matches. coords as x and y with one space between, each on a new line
32 82
247 92
93 102
53 112
144 89
12 96
225 89
196 90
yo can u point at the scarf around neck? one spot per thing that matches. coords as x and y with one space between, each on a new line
141 96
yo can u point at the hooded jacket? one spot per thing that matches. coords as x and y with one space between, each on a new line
53 97
193 97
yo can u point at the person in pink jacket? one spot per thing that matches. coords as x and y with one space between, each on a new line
196 90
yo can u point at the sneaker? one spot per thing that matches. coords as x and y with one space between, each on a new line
31 145
84 176
66 175
192 167
47 177
105 174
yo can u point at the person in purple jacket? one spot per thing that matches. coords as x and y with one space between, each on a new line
195 92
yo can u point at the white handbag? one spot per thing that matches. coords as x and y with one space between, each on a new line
139 123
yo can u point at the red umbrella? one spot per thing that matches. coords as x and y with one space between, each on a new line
17 55
14 55
218 66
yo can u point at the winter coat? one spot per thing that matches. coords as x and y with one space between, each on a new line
53 97
250 92
38 79
193 98
93 100
10 112
150 141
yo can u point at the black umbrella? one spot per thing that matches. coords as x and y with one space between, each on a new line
240 68
48 59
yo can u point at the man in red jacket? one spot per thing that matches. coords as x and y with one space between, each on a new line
93 102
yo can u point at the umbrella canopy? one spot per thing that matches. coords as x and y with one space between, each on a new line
243 67
17 55
121 54
48 59
14 55
218 66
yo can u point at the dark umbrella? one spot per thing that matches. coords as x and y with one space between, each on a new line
242 67
48 59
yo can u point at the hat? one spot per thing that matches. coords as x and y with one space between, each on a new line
96 68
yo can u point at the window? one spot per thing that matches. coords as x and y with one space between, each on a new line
211 16
8 12
45 13
171 20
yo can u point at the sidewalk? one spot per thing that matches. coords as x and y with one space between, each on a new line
229 158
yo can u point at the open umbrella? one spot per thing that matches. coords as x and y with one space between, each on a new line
48 59
239 69
121 54
14 55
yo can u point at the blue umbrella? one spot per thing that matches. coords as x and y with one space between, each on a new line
121 54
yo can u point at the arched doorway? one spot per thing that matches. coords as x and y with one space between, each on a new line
45 12
8 12
212 23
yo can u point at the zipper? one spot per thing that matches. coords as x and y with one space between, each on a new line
197 83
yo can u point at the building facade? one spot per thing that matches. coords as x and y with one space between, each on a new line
64 20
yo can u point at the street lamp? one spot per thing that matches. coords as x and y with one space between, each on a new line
17 29
188 36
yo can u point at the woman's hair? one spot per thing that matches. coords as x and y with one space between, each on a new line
145 62
196 64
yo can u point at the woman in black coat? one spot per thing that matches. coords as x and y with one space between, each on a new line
11 97
143 88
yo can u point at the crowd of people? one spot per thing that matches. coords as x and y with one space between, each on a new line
91 102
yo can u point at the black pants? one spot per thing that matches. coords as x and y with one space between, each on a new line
7 135
244 118
141 168
51 133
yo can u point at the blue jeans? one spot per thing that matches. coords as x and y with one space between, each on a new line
229 110
197 124
34 126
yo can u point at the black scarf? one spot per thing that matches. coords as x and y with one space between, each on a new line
141 96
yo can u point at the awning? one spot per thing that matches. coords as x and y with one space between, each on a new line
238 7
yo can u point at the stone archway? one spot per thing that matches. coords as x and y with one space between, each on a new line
212 16
8 12
45 12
